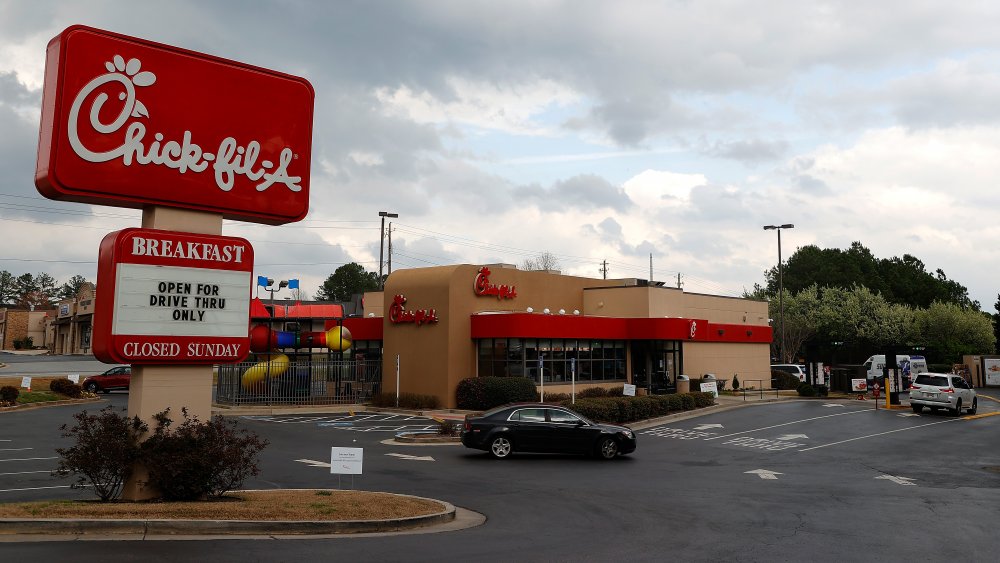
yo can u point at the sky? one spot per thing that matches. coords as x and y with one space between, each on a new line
631 133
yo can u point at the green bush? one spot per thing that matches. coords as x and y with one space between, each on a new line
105 449
621 410
199 459
736 382
822 390
66 387
483 393
554 397
9 394
806 390
406 401
784 380
592 392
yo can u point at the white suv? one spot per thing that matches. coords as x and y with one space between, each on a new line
942 390
797 370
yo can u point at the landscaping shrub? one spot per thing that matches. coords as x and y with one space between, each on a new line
592 392
784 380
483 393
616 391
736 382
822 390
687 401
106 447
555 397
199 459
9 394
703 399
406 401
621 410
66 387
806 390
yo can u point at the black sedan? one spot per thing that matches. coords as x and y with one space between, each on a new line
544 428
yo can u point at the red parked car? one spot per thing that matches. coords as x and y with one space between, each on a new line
117 377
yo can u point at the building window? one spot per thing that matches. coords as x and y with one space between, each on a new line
557 360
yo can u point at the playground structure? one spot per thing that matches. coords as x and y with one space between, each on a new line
266 342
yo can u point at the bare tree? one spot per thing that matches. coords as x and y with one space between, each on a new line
544 261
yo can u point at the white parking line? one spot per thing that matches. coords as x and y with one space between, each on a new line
35 488
879 434
26 472
14 449
786 424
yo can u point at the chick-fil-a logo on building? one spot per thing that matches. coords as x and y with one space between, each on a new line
399 314
131 123
483 286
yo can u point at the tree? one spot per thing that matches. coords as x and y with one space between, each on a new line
996 319
346 281
954 331
803 315
8 288
544 261
70 289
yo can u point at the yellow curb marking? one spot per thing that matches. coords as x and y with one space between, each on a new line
990 398
984 415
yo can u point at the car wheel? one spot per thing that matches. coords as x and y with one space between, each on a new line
917 408
501 447
958 408
607 448
975 406
92 387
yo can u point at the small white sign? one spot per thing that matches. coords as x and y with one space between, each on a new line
346 461
74 377
26 382
859 385
992 366
629 390
710 387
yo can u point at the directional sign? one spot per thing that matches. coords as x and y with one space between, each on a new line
313 463
765 474
792 436
413 457
708 426
897 479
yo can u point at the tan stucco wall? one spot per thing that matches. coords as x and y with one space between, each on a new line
750 361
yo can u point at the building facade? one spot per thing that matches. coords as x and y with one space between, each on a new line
441 325
17 325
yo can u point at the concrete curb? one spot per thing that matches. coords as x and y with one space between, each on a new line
156 527
44 404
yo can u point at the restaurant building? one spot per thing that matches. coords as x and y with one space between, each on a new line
437 326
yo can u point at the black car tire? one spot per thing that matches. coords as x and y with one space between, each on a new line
917 408
958 408
975 406
501 447
607 448
92 387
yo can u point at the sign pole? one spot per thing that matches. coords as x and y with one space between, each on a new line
397 381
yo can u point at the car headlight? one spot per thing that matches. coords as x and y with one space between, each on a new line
628 434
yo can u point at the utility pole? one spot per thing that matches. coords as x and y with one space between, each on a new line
679 280
389 264
604 269
650 266
381 245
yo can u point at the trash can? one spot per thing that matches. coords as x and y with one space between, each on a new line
683 384
710 378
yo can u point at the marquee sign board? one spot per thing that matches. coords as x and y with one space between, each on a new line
166 297
128 122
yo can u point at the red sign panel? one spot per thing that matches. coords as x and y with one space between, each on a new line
165 297
129 123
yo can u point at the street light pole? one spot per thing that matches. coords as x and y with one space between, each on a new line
381 245
781 290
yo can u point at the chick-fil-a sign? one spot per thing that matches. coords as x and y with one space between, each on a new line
130 123
399 314
483 286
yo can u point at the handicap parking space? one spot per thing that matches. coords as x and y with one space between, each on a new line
360 422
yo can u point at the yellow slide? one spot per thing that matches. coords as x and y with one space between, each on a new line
273 366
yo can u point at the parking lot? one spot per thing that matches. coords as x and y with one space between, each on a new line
789 480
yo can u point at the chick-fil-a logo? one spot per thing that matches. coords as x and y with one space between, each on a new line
397 313
484 287
229 160
694 329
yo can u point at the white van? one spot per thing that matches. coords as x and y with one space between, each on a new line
909 366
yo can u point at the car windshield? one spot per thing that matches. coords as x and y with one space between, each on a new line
935 380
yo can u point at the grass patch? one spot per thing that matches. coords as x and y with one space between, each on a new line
277 505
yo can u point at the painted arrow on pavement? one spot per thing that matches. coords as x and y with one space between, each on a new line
907 414
833 405
413 457
707 426
313 463
898 480
765 473
792 436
